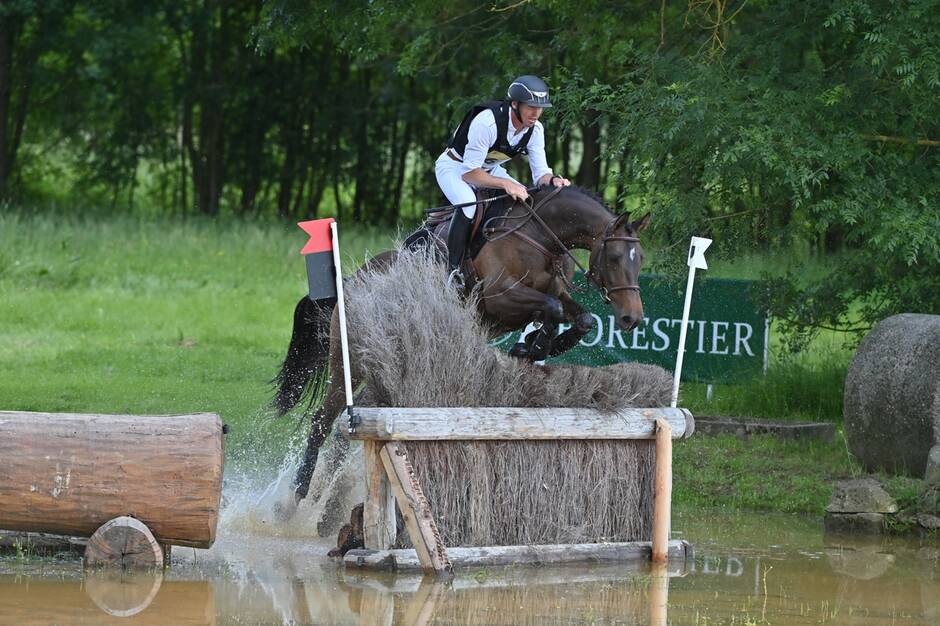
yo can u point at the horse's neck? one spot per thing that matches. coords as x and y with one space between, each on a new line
577 220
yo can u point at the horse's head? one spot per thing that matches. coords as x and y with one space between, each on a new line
616 258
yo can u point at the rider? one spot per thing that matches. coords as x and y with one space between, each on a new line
491 134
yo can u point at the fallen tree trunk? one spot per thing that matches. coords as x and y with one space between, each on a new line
70 473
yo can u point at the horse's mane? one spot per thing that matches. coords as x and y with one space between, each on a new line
593 195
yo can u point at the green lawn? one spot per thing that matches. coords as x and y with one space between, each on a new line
121 315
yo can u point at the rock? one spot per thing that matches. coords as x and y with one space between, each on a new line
892 394
859 561
932 473
929 500
861 495
928 521
855 523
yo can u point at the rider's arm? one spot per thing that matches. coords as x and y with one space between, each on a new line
480 136
542 174
480 178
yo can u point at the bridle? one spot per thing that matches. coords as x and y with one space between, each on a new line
589 274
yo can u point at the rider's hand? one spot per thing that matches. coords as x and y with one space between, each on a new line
560 181
514 189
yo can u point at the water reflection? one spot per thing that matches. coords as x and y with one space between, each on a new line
747 570
140 600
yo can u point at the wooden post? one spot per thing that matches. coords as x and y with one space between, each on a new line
662 502
378 514
659 594
123 541
415 510
421 604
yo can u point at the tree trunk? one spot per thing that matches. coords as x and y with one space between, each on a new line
70 473
8 31
589 174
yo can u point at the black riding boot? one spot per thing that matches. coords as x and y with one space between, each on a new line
457 238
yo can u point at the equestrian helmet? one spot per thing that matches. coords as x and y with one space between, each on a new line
530 90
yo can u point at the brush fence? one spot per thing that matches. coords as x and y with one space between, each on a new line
390 479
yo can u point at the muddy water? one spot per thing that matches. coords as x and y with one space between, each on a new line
747 570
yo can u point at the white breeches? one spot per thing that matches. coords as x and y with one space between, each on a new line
449 174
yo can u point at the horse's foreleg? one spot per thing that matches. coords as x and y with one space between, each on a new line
515 304
581 324
518 305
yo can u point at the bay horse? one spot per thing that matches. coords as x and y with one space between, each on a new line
522 274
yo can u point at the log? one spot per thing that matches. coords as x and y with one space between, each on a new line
448 424
121 595
87 602
124 542
609 572
70 473
414 509
461 558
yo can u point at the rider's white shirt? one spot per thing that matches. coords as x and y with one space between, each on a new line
482 134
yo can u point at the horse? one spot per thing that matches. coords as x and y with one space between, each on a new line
523 273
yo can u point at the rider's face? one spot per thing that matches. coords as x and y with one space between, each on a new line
529 114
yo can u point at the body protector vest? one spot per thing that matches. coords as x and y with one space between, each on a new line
499 151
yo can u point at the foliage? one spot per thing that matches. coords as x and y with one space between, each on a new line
765 124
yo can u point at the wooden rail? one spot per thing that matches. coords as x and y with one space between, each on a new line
456 424
381 428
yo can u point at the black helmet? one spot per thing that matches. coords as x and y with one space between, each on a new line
530 90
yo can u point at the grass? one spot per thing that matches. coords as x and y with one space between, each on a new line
804 387
761 473
119 315
124 315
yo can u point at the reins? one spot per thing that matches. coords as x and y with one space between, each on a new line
532 214
484 201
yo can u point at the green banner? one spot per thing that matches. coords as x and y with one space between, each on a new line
726 340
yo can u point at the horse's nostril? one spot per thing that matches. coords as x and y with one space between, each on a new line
628 321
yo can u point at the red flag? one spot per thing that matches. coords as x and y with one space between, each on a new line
318 253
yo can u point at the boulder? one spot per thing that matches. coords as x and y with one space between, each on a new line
932 473
892 395
855 523
861 495
862 562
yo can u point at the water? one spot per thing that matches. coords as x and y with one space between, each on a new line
748 569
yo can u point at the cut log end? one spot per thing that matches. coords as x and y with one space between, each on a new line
125 542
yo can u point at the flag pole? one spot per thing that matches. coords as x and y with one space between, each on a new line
695 261
347 376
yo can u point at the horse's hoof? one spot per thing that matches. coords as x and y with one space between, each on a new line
519 351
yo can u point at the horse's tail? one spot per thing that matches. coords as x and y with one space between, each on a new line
307 355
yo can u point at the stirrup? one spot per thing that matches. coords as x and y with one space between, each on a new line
456 280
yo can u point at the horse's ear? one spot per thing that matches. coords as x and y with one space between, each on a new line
622 219
641 223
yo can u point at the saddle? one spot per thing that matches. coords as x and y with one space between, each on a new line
436 224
